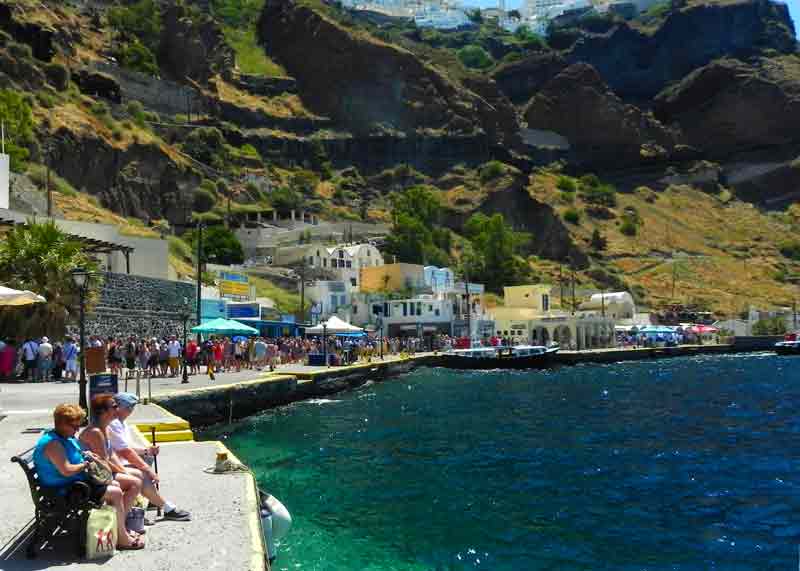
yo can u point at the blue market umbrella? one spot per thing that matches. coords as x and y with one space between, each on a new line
222 326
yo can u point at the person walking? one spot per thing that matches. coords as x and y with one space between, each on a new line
70 359
30 353
45 359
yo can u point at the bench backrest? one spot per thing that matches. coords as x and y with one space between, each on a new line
25 461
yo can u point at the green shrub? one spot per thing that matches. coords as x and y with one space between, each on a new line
790 249
209 185
572 216
20 51
204 199
490 171
137 57
475 57
38 176
57 75
136 110
16 114
595 192
179 248
566 183
628 227
46 100
769 326
100 109
567 197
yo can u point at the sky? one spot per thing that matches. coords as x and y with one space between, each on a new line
794 6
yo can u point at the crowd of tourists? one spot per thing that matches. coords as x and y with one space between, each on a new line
105 457
41 360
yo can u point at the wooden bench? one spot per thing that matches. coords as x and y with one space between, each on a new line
55 513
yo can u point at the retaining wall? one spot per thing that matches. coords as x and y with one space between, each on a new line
136 305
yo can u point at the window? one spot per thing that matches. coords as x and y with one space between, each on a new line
545 302
349 264
505 332
386 310
355 309
368 252
430 308
333 303
419 308
436 313
342 300
311 260
353 282
377 309
405 309
341 254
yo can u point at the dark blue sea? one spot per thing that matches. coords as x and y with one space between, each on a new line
682 464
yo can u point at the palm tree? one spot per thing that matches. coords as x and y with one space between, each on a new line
39 257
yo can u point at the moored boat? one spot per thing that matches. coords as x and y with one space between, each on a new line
516 357
789 346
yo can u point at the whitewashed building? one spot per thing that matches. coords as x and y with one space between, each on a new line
344 261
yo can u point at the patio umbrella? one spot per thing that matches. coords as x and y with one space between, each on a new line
15 297
222 326
333 326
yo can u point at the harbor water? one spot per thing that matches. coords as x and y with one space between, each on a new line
679 464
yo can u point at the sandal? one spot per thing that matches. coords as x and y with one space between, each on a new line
136 545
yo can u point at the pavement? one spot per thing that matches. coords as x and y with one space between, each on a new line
223 533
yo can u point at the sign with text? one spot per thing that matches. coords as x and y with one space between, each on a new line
234 283
104 383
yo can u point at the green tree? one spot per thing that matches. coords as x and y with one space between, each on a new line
496 245
475 57
220 246
15 113
140 20
39 257
136 56
284 198
417 236
769 326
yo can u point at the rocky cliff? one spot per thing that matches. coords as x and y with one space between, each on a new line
638 63
603 130
370 86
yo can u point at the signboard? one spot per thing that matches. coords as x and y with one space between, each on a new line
233 283
244 310
95 360
104 383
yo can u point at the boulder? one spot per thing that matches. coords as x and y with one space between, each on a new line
98 84
604 132
520 79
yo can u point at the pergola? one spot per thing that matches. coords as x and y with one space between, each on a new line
91 245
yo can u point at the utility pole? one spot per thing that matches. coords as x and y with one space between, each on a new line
573 292
199 274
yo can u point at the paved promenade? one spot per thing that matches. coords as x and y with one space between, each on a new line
223 533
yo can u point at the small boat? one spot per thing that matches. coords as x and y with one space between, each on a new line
789 346
516 357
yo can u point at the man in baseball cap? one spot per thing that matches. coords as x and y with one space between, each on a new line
138 459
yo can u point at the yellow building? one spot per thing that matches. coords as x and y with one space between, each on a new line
392 277
528 316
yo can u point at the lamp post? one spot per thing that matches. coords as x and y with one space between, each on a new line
185 321
80 278
379 323
325 342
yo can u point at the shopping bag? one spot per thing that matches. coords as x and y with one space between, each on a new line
101 533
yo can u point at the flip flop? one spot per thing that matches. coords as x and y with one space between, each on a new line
135 546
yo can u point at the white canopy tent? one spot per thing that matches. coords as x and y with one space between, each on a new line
15 297
333 326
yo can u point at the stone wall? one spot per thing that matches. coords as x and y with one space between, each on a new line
135 305
162 95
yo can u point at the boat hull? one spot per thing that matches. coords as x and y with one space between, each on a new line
787 349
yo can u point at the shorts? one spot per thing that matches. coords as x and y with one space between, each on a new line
173 362
71 366
130 362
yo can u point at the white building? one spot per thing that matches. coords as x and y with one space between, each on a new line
331 297
423 314
345 261
440 280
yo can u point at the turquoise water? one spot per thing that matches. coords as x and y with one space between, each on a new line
690 463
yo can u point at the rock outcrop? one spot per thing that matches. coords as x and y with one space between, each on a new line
604 132
730 106
638 63
369 86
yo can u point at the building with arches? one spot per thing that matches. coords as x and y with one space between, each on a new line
529 316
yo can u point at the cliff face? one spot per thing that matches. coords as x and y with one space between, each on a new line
603 130
730 106
370 86
637 64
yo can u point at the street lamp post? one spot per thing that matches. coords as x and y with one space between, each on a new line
80 278
379 323
325 342
185 321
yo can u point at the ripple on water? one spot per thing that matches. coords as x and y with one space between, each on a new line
682 464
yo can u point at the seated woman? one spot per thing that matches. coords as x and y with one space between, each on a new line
93 438
60 462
